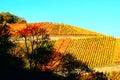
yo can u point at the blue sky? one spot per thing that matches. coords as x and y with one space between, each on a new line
98 15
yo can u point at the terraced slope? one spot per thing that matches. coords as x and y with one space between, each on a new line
97 51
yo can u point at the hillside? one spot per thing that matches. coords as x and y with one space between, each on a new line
84 44
63 29
97 50
55 29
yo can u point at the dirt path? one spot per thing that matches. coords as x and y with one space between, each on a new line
108 68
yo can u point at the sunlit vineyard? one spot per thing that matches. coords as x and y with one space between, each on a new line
95 51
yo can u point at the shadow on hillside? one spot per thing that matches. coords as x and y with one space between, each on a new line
29 75
11 68
78 70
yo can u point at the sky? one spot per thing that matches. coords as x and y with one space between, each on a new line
101 16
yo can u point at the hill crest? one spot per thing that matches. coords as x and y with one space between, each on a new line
56 29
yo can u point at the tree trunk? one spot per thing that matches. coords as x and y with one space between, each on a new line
26 45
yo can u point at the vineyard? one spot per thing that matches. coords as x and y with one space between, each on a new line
97 51
117 51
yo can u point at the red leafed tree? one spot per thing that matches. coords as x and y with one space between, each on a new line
35 33
24 33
